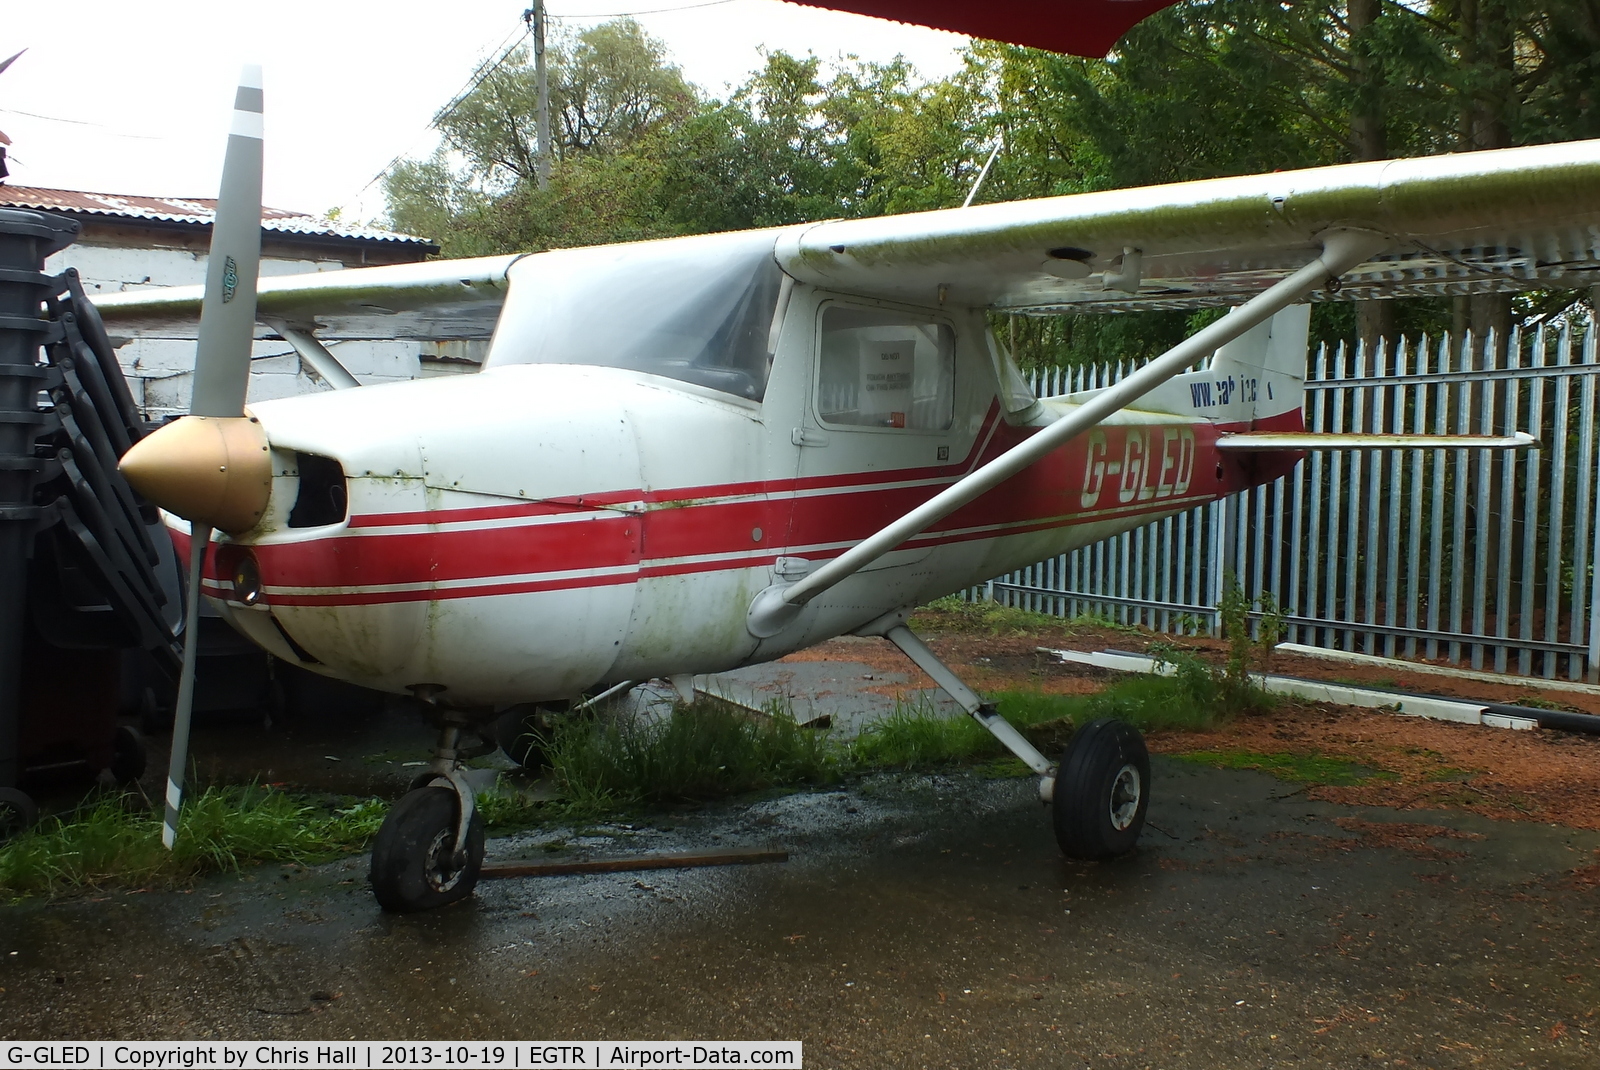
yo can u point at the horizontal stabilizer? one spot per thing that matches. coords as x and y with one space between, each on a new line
1311 440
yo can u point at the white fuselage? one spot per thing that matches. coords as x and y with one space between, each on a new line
536 530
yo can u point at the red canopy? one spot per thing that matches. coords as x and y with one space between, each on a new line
1077 27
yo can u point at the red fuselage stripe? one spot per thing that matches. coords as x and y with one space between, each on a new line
1110 474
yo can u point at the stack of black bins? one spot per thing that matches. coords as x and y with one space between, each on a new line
87 575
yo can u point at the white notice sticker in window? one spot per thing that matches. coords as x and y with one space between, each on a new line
887 366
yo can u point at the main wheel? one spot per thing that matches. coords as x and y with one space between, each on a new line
127 755
1102 790
18 812
413 865
522 732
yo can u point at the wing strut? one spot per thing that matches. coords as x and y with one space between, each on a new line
314 355
774 608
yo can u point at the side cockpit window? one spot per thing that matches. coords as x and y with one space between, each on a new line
883 368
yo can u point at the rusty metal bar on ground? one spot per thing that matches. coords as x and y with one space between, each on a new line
678 860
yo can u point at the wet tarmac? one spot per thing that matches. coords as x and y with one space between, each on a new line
921 922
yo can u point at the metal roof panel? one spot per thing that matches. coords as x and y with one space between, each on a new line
199 211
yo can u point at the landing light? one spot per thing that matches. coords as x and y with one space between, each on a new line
247 579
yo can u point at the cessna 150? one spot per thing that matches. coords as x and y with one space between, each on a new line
688 455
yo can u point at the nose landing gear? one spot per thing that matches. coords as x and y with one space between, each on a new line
429 851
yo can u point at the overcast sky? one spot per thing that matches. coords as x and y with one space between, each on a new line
120 97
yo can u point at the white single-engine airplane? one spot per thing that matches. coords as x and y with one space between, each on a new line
689 455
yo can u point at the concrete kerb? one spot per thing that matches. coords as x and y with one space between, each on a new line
1433 708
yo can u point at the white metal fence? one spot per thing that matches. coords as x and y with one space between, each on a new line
1477 555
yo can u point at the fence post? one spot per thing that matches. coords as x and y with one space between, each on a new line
1219 561
1594 563
1594 556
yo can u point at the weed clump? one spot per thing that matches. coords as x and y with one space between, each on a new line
1246 652
702 751
1211 696
919 737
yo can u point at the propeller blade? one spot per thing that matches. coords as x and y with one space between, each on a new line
221 370
228 310
199 539
4 63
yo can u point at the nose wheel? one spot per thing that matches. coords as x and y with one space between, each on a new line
418 859
429 851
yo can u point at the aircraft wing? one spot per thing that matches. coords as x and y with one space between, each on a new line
1077 27
437 300
1504 220
1508 219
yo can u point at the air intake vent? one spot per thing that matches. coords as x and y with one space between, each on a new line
322 498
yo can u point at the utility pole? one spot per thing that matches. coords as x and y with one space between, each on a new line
535 17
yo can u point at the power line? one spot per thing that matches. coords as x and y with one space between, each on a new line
651 11
508 44
484 71
81 122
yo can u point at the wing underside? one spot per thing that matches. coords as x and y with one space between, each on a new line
1511 219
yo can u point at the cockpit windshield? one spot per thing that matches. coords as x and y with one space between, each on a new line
699 310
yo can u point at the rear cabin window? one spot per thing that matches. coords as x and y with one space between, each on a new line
881 368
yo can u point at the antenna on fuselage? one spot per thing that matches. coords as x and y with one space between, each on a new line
983 174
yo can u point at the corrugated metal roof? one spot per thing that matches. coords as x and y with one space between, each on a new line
197 210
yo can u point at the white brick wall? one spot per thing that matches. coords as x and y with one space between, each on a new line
160 370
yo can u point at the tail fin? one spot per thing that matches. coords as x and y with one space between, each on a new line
1268 366
1258 380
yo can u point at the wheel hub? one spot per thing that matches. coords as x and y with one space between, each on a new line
1126 791
440 870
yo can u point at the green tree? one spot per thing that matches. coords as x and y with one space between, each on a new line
1205 88
615 101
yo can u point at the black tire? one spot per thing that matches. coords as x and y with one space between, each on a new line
127 755
1102 791
18 812
411 867
154 718
523 733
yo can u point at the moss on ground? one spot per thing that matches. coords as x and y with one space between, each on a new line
1312 768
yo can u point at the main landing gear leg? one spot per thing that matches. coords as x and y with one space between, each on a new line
1099 792
430 849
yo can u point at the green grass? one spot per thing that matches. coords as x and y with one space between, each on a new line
702 751
952 613
509 808
111 839
919 738
1297 768
1358 681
